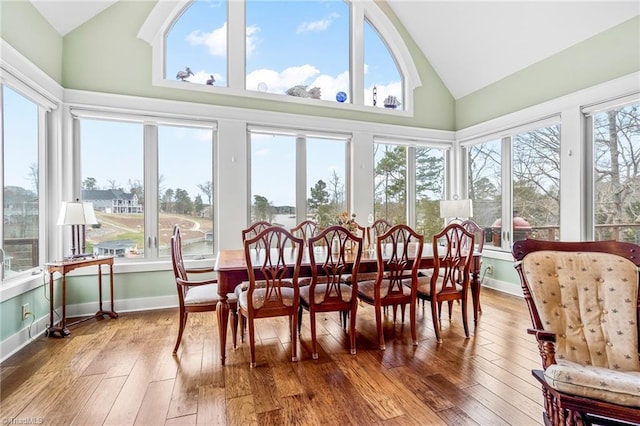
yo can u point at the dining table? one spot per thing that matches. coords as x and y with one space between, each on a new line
231 269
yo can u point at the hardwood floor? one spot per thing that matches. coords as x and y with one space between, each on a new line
122 372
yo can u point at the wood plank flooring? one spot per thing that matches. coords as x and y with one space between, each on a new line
122 372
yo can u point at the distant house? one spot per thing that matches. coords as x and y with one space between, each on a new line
112 201
117 248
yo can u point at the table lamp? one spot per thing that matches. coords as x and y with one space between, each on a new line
78 215
456 209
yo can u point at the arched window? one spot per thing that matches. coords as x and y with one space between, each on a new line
331 51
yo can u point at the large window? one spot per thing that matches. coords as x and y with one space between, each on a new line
407 176
297 177
294 47
616 171
136 215
303 49
21 183
196 45
526 165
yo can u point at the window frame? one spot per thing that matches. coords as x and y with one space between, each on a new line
164 13
506 137
44 117
150 124
301 181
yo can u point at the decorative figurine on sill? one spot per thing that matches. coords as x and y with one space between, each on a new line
301 91
341 97
211 80
183 75
375 95
391 102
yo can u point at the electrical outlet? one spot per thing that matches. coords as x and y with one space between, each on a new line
489 270
25 311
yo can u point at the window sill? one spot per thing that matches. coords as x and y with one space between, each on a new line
282 98
20 284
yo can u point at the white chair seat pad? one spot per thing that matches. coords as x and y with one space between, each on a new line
260 294
424 286
320 291
604 384
204 294
366 289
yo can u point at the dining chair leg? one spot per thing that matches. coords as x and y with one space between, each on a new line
293 318
436 320
234 328
314 349
300 309
380 329
450 309
182 324
464 317
412 320
402 307
252 343
352 329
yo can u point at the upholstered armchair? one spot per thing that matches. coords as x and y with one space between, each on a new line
584 306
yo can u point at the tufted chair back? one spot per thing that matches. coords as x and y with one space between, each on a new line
584 306
590 301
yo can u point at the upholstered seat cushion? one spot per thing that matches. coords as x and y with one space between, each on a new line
366 288
259 295
320 291
205 294
615 386
424 286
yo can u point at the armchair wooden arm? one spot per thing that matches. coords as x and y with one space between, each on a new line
546 345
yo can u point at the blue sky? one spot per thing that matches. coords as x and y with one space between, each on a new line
289 43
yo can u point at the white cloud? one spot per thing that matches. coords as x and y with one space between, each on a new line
252 39
262 152
215 41
279 82
317 26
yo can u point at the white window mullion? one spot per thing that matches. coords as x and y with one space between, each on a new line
151 203
236 45
301 179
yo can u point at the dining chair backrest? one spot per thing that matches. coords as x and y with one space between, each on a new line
271 267
453 256
380 226
305 230
340 255
477 231
398 255
254 229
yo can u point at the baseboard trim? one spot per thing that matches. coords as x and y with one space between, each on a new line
23 337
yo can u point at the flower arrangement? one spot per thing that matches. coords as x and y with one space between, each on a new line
347 220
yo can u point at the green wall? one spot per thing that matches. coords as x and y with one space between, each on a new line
606 56
100 56
22 26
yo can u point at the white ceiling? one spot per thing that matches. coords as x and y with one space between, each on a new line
470 44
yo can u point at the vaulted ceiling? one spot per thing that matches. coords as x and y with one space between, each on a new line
470 44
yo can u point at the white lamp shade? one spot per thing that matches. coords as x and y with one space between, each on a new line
77 213
456 208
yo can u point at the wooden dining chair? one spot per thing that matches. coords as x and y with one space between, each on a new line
450 277
254 229
272 288
333 253
305 230
379 227
479 234
398 256
195 295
